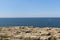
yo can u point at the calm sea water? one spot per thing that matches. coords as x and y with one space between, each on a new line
40 22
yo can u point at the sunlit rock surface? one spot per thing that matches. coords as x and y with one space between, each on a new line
29 33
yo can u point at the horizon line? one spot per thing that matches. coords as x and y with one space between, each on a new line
29 17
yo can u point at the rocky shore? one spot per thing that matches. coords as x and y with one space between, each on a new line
29 33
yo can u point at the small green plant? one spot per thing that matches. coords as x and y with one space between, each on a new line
27 38
4 37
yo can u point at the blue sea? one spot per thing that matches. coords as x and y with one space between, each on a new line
39 22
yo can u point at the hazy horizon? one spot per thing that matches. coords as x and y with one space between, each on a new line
29 8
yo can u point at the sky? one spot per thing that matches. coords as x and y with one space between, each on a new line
29 8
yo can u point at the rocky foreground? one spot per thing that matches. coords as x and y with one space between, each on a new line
29 33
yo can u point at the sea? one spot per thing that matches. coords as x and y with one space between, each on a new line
37 22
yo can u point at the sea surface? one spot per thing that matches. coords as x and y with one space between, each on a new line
39 22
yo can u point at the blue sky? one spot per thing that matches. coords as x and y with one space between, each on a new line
29 8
